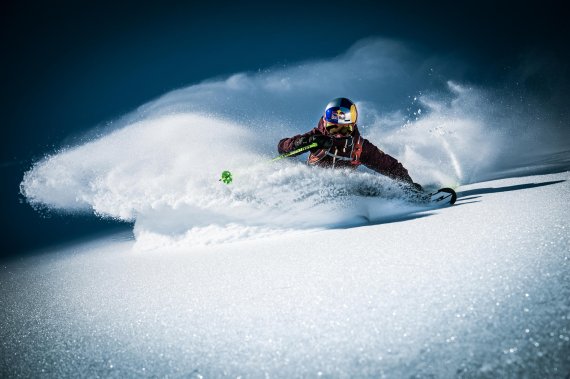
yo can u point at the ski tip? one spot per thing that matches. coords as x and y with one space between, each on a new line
443 196
451 192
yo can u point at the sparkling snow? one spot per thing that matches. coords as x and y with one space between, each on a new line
480 289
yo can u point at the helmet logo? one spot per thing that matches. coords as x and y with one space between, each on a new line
338 115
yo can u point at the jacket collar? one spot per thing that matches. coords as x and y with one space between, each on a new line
323 130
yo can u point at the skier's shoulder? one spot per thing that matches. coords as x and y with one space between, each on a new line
319 129
369 149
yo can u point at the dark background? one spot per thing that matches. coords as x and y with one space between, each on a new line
68 67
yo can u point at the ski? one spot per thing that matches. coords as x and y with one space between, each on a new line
443 196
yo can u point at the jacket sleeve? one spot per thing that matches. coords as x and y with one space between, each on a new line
288 144
377 160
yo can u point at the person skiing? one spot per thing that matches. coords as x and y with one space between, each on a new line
340 145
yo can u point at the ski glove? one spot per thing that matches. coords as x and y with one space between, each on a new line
323 142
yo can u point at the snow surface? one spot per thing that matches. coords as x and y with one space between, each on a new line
480 289
293 271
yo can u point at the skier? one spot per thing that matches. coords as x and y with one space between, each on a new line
340 145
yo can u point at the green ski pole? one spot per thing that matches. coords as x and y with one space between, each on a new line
299 150
227 176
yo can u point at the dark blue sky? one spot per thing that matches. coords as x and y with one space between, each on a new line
68 67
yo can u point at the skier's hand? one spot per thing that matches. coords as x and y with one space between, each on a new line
323 142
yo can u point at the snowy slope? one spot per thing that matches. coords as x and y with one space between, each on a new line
292 271
480 289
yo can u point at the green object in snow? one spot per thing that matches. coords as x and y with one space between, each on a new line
226 177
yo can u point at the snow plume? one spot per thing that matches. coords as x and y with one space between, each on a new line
164 176
160 165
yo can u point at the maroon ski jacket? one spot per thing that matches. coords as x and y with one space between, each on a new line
349 153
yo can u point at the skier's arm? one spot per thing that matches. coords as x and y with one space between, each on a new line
377 160
287 145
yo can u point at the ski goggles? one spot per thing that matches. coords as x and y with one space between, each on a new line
344 129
